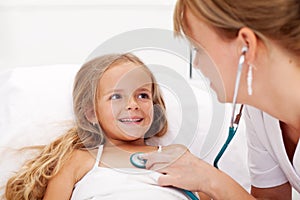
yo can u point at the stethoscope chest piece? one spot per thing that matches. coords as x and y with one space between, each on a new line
137 161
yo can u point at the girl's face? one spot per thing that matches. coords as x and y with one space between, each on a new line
124 102
214 56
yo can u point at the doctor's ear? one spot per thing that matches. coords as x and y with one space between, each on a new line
248 39
90 115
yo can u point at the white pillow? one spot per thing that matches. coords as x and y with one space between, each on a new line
34 98
36 107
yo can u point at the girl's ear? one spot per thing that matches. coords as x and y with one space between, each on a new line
90 114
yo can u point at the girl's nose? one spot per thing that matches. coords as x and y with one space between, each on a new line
132 104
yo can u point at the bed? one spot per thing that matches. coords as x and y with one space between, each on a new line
36 107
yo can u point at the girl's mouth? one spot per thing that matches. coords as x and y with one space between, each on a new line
131 120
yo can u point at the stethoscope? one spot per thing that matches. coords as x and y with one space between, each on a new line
137 160
234 121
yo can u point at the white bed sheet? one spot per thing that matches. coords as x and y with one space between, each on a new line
36 106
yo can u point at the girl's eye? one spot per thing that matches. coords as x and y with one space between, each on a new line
115 96
144 96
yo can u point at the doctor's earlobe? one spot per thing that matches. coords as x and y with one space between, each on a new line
249 73
242 57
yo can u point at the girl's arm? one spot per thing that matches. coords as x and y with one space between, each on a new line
60 187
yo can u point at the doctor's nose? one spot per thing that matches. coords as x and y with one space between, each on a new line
132 104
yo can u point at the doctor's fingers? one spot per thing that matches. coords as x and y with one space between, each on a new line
168 180
167 153
163 163
165 157
176 177
184 175
159 160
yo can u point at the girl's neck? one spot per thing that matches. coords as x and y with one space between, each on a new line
124 144
128 146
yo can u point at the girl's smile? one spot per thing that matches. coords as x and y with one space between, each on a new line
124 102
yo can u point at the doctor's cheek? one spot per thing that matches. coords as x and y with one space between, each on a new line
202 63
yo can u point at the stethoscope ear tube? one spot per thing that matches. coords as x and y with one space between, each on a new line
237 84
231 133
232 130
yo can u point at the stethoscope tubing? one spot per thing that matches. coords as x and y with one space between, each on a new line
232 130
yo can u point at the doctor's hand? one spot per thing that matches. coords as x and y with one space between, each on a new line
180 168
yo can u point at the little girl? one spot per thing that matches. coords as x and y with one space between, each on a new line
117 106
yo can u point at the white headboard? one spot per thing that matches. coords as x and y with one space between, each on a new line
66 31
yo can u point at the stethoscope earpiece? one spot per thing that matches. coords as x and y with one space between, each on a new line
244 49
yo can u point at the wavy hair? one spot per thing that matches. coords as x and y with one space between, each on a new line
277 19
31 180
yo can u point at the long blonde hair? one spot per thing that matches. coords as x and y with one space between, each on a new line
31 180
277 19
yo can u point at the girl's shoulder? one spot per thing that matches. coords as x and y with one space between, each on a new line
72 170
82 161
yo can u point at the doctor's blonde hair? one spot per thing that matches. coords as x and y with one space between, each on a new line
31 180
277 20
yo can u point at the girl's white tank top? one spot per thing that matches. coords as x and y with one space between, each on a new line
122 183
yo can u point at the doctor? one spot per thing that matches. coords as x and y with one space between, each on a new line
261 40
